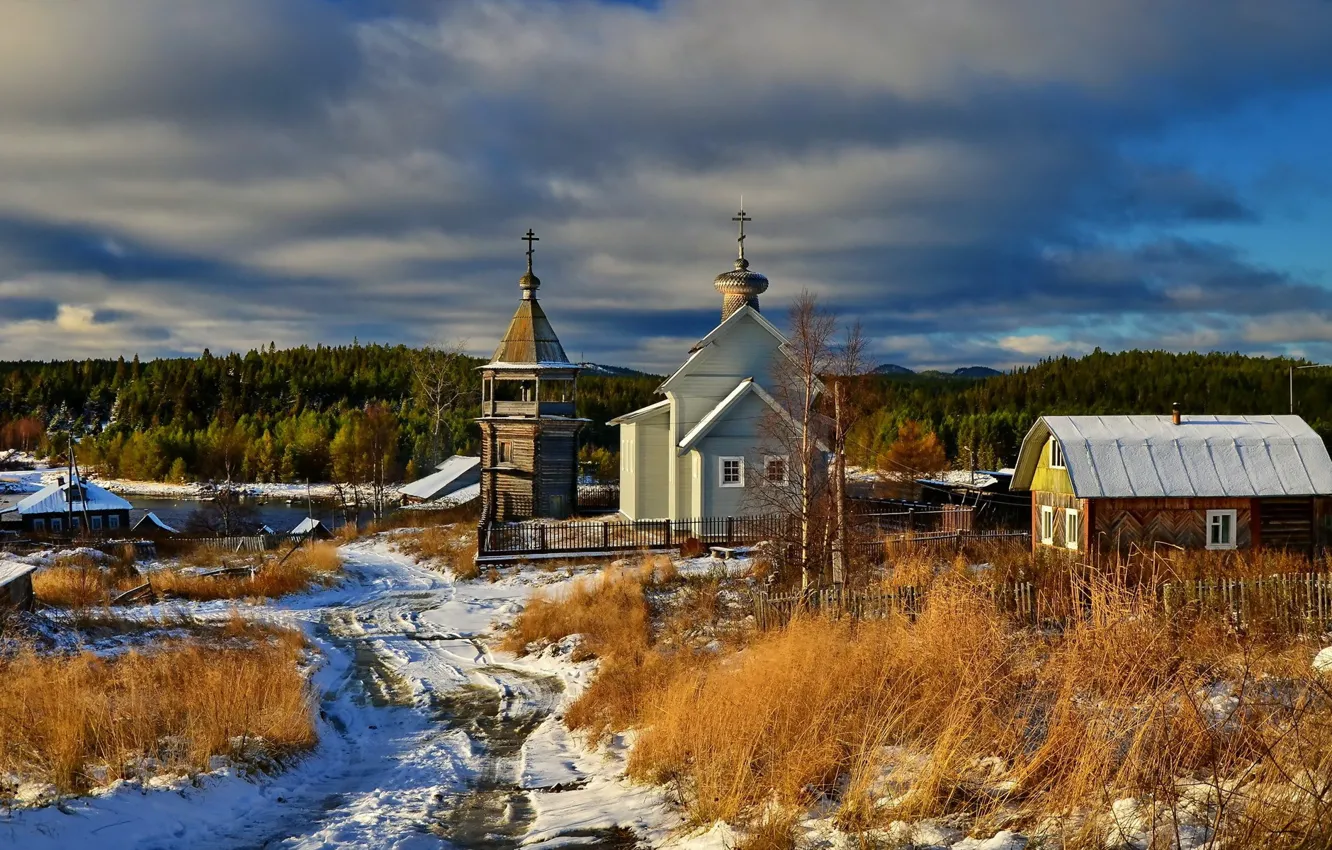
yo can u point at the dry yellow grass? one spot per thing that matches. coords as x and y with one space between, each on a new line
608 610
963 712
77 720
79 584
452 546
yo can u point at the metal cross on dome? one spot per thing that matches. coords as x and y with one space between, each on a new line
742 218
529 238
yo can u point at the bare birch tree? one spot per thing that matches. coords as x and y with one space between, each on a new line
848 372
441 375
798 389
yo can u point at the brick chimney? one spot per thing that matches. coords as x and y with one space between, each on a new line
1174 414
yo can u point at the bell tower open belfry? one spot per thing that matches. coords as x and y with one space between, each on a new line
529 428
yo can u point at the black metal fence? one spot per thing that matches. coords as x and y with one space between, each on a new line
505 540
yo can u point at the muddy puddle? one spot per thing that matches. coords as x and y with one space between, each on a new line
495 812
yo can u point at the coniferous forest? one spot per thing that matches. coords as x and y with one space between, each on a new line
982 422
269 415
308 413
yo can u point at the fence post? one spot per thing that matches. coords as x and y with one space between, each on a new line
605 535
669 528
730 530
541 538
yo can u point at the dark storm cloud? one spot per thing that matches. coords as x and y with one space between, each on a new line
18 309
954 173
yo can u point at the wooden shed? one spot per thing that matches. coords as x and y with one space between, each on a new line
16 585
1197 482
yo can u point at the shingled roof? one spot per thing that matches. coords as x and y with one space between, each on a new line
530 340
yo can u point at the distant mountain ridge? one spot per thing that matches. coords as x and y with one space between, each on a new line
615 371
961 372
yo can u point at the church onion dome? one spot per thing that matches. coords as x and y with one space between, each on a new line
741 281
530 341
740 286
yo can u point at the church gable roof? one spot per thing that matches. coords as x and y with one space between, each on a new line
719 413
651 410
728 326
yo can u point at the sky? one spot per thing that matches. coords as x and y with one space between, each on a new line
983 182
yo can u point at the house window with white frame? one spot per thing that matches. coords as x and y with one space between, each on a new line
57 526
1056 454
774 469
39 525
1047 525
1072 528
732 471
95 522
112 521
1221 529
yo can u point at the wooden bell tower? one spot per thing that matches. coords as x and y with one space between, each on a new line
529 429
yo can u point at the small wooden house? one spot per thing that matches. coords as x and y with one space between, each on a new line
65 508
16 585
1197 482
445 483
150 525
312 528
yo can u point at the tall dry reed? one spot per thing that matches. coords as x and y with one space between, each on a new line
78 720
963 712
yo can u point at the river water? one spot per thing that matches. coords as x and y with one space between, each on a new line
277 514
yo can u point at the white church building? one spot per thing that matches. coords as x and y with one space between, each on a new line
697 452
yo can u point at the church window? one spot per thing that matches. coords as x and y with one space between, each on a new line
774 469
505 451
732 472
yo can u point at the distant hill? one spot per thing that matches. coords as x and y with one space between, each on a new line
614 371
892 369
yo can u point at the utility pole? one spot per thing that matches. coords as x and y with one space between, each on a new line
1292 379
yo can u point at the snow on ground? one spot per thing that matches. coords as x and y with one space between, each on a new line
426 735
428 738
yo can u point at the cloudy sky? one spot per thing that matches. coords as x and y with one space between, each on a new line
979 181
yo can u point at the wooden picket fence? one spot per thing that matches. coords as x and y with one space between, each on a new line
1292 603
775 610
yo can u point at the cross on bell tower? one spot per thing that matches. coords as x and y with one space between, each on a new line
529 429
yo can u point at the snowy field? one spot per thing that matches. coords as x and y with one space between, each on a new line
428 738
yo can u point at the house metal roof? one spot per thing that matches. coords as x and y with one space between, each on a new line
440 482
152 519
51 500
11 570
1203 456
307 526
